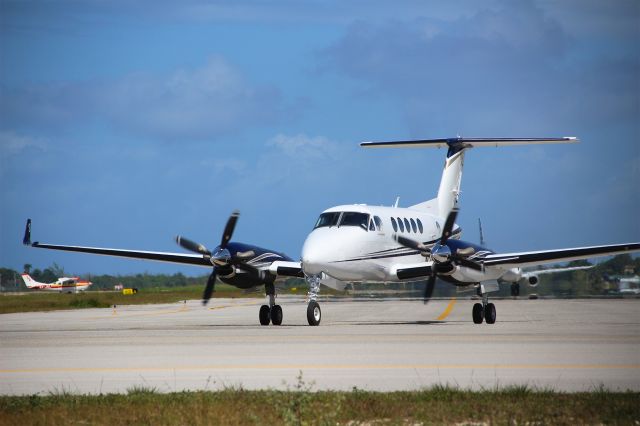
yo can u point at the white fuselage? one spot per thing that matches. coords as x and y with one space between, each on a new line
353 253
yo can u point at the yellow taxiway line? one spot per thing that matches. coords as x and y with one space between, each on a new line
447 310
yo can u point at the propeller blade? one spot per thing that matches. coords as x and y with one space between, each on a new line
428 289
228 229
208 290
192 246
448 226
409 243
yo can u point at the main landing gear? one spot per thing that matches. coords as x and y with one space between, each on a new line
484 311
270 313
314 314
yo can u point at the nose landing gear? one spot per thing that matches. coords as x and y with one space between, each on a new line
314 314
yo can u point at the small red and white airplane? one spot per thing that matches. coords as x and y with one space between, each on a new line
62 285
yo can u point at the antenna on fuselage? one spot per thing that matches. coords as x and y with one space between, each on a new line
481 233
397 201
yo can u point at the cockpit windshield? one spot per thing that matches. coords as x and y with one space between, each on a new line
327 219
344 218
355 219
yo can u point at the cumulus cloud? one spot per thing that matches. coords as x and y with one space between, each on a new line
12 143
187 104
510 68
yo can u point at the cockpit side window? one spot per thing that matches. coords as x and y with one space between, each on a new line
372 226
394 225
327 219
378 222
355 219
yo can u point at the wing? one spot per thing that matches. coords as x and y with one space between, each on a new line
533 258
181 258
554 270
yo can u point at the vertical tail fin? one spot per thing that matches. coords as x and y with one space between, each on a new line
30 282
449 189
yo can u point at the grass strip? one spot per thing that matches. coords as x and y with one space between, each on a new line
41 301
301 405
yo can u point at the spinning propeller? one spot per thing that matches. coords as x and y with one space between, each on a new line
221 258
443 259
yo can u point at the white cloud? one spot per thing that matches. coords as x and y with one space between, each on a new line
201 103
302 147
12 143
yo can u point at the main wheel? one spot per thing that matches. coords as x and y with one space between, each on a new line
314 314
276 315
265 315
478 313
490 313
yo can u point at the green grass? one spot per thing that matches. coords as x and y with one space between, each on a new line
41 301
300 405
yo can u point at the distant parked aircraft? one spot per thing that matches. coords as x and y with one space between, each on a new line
62 285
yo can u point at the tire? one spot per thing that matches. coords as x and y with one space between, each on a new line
478 313
490 313
314 314
265 315
276 315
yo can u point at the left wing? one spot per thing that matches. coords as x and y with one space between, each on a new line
533 258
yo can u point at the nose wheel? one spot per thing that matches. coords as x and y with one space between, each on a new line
314 314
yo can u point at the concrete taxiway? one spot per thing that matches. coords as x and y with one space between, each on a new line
568 345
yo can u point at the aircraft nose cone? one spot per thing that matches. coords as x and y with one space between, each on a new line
314 254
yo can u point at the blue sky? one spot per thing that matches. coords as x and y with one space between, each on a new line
123 124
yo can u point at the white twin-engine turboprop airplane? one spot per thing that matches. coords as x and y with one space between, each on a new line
360 243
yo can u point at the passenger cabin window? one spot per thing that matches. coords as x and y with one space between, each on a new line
394 225
327 219
419 225
413 226
378 222
406 225
355 219
401 225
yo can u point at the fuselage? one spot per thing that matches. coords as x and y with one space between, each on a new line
355 242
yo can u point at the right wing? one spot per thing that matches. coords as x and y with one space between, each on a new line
533 258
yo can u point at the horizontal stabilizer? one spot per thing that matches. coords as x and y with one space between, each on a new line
460 143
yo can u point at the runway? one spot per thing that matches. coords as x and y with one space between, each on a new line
567 345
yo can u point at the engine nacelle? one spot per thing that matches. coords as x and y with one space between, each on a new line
533 280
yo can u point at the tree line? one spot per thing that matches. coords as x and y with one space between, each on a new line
595 281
